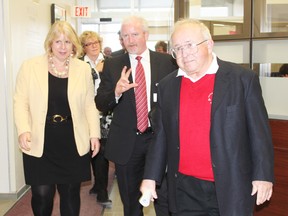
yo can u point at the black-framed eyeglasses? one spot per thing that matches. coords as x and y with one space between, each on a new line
177 52
91 44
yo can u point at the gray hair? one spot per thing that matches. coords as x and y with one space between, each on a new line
193 22
136 19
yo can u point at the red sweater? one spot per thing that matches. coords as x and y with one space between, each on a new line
194 118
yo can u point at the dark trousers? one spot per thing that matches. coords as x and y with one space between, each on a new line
161 204
100 167
43 199
195 197
129 177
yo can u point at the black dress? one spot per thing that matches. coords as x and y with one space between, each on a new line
60 162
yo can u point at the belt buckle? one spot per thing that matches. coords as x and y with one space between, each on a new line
58 118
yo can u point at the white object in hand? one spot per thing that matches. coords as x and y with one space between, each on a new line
145 199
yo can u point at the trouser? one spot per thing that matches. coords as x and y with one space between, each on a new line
195 197
161 204
130 176
43 199
100 167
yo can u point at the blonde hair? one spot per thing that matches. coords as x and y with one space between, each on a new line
63 27
88 35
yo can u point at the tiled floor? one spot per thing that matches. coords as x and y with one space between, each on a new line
116 209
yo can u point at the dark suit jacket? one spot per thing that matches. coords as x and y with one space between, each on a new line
122 135
240 138
118 52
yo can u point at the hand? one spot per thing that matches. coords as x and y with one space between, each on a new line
95 146
123 83
149 186
99 66
263 189
24 141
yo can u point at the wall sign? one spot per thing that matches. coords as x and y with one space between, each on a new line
57 13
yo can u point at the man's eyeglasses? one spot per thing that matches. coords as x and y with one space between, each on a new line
177 52
91 44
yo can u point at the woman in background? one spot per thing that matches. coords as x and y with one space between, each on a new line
92 46
57 122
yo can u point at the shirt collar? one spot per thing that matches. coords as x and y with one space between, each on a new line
145 56
213 68
100 58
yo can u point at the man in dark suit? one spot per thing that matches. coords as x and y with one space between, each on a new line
127 144
121 51
211 132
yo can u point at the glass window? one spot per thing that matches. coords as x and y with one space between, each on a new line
225 18
271 18
265 62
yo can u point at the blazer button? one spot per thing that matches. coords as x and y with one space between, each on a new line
176 175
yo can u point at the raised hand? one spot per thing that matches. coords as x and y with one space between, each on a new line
123 83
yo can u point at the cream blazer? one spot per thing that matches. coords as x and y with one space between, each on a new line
31 103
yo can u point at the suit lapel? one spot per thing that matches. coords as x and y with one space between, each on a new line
221 86
154 75
125 61
74 74
41 74
175 93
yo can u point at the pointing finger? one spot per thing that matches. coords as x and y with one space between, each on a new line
128 72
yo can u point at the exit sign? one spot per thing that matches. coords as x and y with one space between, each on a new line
81 11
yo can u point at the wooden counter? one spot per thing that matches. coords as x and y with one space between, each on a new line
278 205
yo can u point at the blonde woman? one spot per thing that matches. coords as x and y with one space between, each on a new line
57 122
92 46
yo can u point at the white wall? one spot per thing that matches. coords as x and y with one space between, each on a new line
23 28
4 154
274 93
236 51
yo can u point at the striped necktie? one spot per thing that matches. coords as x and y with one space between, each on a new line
141 97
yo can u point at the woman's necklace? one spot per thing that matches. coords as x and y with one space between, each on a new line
52 68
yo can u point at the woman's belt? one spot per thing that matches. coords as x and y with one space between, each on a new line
58 118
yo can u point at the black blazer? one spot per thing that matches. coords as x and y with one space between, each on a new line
240 138
122 135
118 52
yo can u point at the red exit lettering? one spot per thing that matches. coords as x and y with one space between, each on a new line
81 11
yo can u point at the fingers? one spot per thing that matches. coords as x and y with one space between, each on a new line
149 186
254 190
263 189
24 141
95 146
25 145
125 75
94 153
263 195
123 83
